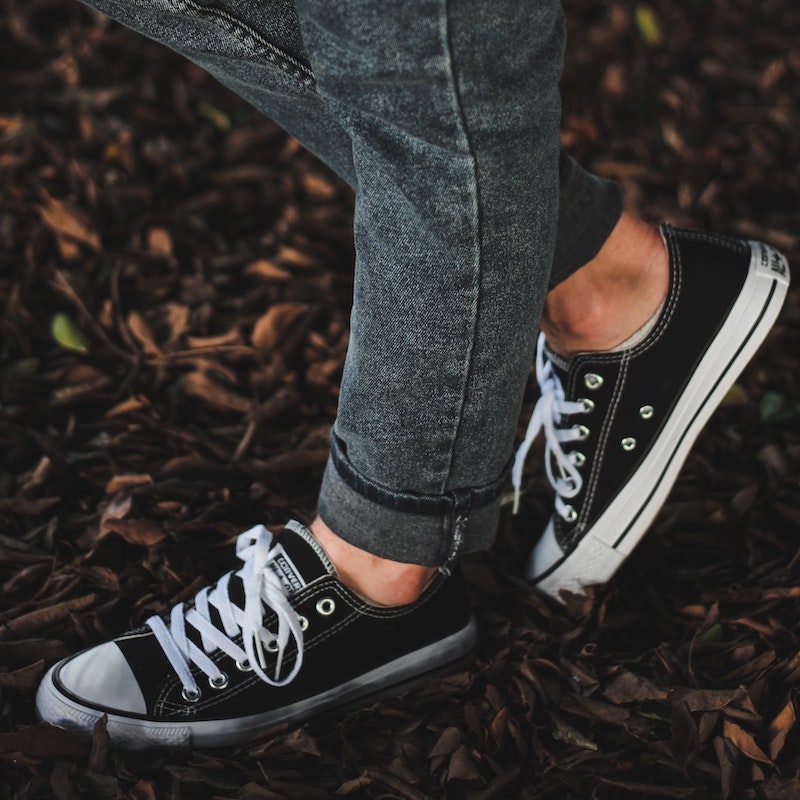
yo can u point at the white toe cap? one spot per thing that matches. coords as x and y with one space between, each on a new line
101 677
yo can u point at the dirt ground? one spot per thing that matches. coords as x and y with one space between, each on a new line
175 275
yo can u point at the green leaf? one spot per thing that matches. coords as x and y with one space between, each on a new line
711 636
648 24
772 403
67 333
653 715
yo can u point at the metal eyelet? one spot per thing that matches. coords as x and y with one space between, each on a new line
646 412
219 683
628 443
244 666
191 695
592 380
588 405
326 606
303 623
577 459
273 646
583 432
570 514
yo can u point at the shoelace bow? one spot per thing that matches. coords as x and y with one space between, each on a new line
261 588
548 413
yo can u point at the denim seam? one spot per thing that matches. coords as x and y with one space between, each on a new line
478 248
247 36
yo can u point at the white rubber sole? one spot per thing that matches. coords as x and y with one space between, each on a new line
140 734
601 551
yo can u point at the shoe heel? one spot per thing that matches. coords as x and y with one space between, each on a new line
769 262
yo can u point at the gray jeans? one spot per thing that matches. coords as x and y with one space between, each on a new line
443 115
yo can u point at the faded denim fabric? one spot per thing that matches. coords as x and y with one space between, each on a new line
444 117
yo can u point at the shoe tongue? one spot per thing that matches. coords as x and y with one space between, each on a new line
297 558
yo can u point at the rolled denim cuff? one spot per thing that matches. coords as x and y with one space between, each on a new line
432 530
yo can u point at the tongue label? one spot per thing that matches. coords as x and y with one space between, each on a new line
287 572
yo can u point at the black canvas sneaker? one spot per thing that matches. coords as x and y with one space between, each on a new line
281 639
619 424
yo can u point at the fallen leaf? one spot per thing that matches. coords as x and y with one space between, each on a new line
274 323
68 222
136 531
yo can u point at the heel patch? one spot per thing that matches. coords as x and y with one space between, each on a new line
769 261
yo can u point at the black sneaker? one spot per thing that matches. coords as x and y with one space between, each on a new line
619 424
280 640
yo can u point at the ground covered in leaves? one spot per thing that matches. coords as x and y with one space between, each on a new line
175 280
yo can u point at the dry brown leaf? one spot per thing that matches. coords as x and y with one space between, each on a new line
294 257
228 338
159 241
65 221
744 742
178 316
274 323
25 679
142 790
263 268
135 403
200 385
143 333
780 727
462 766
34 621
118 508
136 531
120 483
628 687
317 187
46 741
24 652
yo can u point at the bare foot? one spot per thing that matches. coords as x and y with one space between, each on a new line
613 296
383 582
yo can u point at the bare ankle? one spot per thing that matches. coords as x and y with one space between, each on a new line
376 579
610 298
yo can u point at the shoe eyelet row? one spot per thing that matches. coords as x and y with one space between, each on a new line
303 623
570 514
646 412
588 405
273 646
326 606
628 444
244 666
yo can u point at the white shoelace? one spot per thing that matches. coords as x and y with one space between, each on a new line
547 414
261 587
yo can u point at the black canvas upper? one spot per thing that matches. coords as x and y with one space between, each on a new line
652 373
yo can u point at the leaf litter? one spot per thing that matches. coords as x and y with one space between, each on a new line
176 276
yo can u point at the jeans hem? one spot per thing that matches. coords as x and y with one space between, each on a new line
432 530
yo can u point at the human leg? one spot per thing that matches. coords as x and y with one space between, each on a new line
436 270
